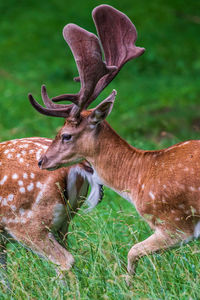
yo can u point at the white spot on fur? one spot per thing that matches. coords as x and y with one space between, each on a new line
12 150
23 146
30 187
164 186
32 175
192 189
13 207
4 219
3 180
4 202
39 185
10 197
22 190
20 182
21 211
23 152
29 214
151 195
9 156
14 176
6 151
18 155
31 151
21 160
25 175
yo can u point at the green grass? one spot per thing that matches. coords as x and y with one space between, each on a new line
158 104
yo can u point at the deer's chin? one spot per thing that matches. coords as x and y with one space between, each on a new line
73 162
64 164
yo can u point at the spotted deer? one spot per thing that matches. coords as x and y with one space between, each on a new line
163 185
36 204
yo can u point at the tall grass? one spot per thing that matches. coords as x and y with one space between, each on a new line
157 105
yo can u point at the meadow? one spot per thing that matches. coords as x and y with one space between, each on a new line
158 104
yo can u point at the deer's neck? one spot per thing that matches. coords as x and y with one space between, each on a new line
118 165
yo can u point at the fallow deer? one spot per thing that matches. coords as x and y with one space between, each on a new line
163 185
35 204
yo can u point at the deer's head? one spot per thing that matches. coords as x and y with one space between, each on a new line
117 37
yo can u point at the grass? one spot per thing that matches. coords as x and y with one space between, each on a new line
157 105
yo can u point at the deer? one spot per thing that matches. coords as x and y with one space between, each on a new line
37 206
163 185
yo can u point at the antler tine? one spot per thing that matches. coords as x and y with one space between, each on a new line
88 56
47 101
118 36
51 109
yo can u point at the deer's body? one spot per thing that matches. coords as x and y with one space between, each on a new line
32 205
163 185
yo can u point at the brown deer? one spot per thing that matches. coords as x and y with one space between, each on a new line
163 185
35 204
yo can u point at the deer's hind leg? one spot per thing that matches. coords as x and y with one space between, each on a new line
160 239
42 242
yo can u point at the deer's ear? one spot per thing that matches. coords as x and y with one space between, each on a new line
102 110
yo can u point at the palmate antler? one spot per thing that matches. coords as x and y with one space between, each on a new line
117 35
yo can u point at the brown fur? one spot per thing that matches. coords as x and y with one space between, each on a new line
30 197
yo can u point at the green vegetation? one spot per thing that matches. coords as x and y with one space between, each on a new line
158 104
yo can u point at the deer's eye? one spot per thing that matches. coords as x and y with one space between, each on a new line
66 137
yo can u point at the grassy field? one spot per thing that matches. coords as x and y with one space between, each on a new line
158 104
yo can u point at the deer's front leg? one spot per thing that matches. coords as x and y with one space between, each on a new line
60 255
157 241
57 254
43 243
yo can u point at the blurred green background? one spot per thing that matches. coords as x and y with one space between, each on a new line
158 100
158 104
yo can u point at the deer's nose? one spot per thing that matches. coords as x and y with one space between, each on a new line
41 161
